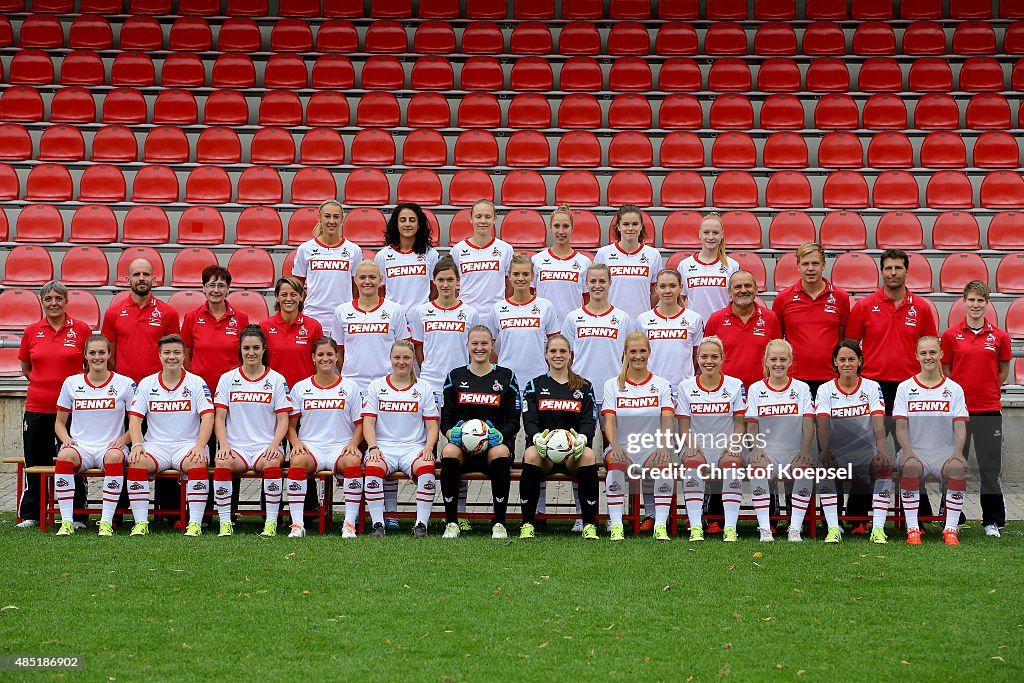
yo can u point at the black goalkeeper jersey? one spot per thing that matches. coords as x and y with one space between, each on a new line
492 397
548 404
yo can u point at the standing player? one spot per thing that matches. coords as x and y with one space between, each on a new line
408 260
559 270
522 323
632 263
252 421
484 391
710 408
781 411
328 437
483 260
706 273
98 401
400 427
325 263
976 355
559 399
637 403
290 331
851 431
179 420
931 418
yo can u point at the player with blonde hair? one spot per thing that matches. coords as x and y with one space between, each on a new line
325 264
706 274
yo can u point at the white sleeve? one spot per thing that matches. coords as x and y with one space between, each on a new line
899 406
665 397
472 318
140 404
301 265
282 399
378 258
491 322
203 403
697 329
958 406
548 320
428 406
657 262
682 401
877 403
415 324
806 405
65 401
823 401
338 328
401 325
752 403
220 397
611 390
739 401
370 402
126 394
355 408
432 259
569 328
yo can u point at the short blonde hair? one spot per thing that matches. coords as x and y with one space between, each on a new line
768 349
809 248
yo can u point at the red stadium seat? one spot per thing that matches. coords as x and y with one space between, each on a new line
19 308
481 110
300 226
132 69
258 226
678 9
482 73
1015 323
84 267
373 147
871 9
378 109
744 230
272 145
482 9
775 38
899 230
874 38
333 71
586 231
719 10
734 189
234 70
24 103
1002 190
42 31
944 149
530 149
845 190
752 263
956 231
384 35
949 190
880 74
146 225
251 267
439 9
629 187
322 146
788 190
628 38
239 34
365 226
27 266
988 111
729 75
996 149
424 148
467 186
732 112
141 33
680 230
252 303
679 74
895 190
959 269
921 9
579 149
82 67
827 74
681 149
683 188
383 72
280 108
431 37
124 105
208 185
165 145
676 38
843 230
628 149
824 38
786 272
680 111
425 110
581 74
1010 274
227 108
924 38
778 74
352 9
9 184
582 9
959 9
630 111
523 188
734 149
39 223
187 269
974 38
725 38
367 187
936 111
855 272
840 149
630 74
339 35
785 150
530 74
531 9
790 229
579 111
476 148
958 311
885 112
95 224
782 112
483 38
420 185
981 74
191 33
1013 39
285 71
765 10
579 38
16 145
527 110
155 184
149 7
259 185
218 145
835 112
1006 231
930 74
89 32
82 305
460 227
48 183
919 278
175 107
524 228
30 67
132 253
182 301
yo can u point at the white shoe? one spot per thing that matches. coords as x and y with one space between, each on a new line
297 531
451 531
794 535
498 531
28 524
348 530
577 528
79 526
766 535
992 530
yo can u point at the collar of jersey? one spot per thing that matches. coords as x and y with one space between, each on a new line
99 386
640 384
629 253
712 389
925 386
860 381
266 371
789 383
567 258
355 305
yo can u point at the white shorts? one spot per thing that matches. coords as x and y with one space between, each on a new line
932 467
400 459
92 454
327 457
250 458
169 456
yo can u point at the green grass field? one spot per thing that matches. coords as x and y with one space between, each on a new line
169 608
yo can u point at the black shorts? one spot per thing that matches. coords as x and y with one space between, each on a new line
476 463
560 468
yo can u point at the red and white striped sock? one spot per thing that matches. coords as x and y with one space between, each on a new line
426 483
881 499
272 492
112 481
352 485
138 493
64 488
196 493
760 494
801 500
693 494
390 495
615 492
297 485
829 500
910 493
663 500
732 495
374 487
955 494
223 488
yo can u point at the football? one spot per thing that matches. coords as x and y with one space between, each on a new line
474 436
559 445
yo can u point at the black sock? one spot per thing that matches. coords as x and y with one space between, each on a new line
587 476
501 482
450 471
529 490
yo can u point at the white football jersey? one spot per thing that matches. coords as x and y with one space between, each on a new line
172 413
444 333
328 273
400 413
406 275
637 407
367 337
597 342
632 276
521 330
711 412
930 413
482 272
850 431
252 405
672 342
329 414
706 285
560 281
779 416
97 412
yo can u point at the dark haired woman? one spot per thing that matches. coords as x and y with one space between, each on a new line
407 262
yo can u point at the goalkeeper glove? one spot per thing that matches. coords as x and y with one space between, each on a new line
540 442
455 434
579 443
494 437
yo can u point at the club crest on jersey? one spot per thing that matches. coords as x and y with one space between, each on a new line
578 395
496 386
792 394
186 392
